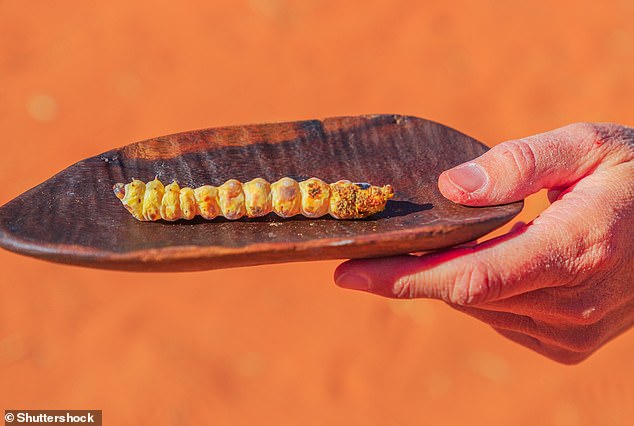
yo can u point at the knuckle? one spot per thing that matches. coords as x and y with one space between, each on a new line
582 339
584 314
474 285
405 287
599 256
593 257
628 139
591 131
584 248
523 156
551 267
580 305
608 134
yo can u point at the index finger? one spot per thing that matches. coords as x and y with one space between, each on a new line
525 259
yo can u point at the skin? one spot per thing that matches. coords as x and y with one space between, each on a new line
561 285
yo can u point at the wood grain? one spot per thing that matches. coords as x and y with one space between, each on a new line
75 218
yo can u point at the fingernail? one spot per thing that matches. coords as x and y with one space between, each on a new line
353 281
468 177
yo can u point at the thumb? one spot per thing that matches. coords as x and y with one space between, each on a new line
515 169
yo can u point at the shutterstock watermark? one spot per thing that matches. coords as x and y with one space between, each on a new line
58 417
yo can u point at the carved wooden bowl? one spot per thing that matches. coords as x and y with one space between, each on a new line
75 218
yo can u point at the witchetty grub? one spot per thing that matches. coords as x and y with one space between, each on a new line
233 199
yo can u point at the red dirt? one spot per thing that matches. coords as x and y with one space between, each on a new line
281 344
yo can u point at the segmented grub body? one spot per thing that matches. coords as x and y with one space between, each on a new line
233 199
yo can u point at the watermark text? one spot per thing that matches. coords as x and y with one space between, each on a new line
58 417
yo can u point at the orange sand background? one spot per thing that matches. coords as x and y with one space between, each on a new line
281 344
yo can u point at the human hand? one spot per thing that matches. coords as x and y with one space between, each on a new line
562 285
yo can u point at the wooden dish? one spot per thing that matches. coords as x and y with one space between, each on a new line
75 218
